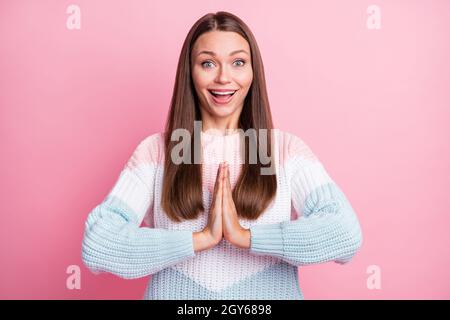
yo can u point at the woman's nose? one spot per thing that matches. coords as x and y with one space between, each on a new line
223 75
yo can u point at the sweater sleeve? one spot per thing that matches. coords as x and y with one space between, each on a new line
327 228
114 240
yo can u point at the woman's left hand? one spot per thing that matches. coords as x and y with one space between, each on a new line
233 232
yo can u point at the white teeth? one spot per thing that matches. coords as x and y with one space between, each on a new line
223 93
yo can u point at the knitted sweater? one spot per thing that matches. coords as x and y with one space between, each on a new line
129 235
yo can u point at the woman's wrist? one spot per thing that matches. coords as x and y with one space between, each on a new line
243 240
201 241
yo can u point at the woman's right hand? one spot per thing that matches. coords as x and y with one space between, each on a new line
212 233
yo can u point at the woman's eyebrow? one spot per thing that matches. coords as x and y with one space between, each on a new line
213 54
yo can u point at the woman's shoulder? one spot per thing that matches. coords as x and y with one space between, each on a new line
292 146
153 141
149 150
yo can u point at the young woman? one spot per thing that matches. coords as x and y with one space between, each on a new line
222 227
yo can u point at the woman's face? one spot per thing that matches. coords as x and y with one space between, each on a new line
222 73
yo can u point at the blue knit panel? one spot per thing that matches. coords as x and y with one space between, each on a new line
277 282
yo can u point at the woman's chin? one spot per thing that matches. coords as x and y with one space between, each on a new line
222 111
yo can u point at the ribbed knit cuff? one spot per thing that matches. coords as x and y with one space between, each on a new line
266 239
185 247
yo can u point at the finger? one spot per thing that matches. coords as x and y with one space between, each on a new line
226 190
216 191
228 186
218 178
219 194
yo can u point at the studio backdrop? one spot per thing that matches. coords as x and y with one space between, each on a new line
364 83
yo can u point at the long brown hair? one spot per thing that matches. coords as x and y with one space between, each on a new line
182 183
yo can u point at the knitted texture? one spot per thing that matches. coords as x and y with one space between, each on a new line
310 221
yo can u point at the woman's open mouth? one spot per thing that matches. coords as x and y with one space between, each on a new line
222 97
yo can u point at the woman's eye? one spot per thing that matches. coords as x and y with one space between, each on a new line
242 61
207 64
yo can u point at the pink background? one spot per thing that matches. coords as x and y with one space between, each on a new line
372 104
